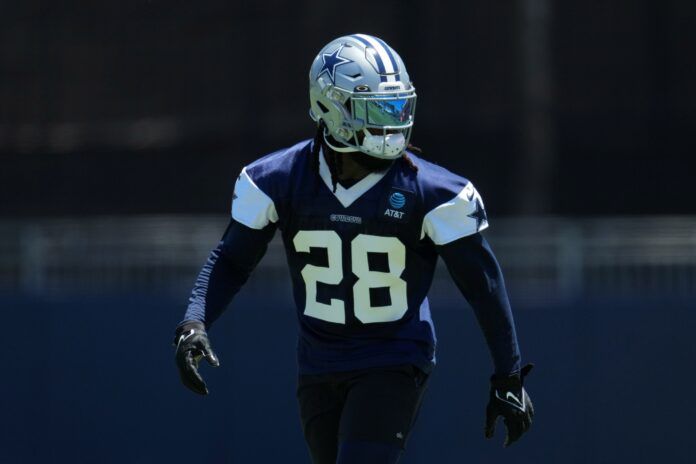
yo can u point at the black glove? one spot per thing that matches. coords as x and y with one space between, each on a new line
509 399
192 344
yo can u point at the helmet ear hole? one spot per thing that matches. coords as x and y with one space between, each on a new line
322 107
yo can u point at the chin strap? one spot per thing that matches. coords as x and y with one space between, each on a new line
342 149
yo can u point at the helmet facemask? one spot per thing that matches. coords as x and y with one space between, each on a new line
386 121
378 124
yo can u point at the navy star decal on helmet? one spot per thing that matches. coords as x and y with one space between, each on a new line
360 90
331 61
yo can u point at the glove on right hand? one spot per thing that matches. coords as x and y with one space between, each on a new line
192 344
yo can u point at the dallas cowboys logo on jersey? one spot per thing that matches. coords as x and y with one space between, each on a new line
479 214
361 259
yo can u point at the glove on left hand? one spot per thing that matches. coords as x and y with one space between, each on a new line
509 399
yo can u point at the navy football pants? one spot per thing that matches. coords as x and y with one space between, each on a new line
360 417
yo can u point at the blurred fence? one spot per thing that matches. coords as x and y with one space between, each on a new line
96 360
543 258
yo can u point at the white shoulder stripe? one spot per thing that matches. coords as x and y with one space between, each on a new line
461 216
250 205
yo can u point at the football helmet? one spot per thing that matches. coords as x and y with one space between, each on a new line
360 90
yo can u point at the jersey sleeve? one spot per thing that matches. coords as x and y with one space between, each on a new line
458 212
476 272
225 272
251 206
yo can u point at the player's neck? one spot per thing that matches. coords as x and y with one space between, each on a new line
355 166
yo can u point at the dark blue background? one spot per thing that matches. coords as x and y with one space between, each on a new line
97 96
92 379
153 107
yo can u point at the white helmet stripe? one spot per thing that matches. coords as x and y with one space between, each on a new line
388 66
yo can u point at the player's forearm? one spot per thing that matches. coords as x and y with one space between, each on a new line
476 272
216 285
227 269
495 318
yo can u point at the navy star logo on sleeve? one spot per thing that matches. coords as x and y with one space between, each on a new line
331 62
479 214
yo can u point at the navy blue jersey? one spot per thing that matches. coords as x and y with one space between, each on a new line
361 259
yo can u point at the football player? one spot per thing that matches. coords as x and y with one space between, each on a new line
363 220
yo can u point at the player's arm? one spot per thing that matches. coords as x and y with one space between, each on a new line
225 272
227 269
477 274
454 221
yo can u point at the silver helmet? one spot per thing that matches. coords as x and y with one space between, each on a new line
360 90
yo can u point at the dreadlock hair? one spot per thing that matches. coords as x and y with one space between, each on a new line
335 165
335 162
316 148
408 159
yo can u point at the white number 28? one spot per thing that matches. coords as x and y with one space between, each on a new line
332 274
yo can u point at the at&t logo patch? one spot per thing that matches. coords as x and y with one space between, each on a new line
397 205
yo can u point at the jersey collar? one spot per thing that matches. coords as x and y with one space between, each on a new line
347 196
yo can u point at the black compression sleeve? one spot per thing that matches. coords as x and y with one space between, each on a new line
228 267
476 272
